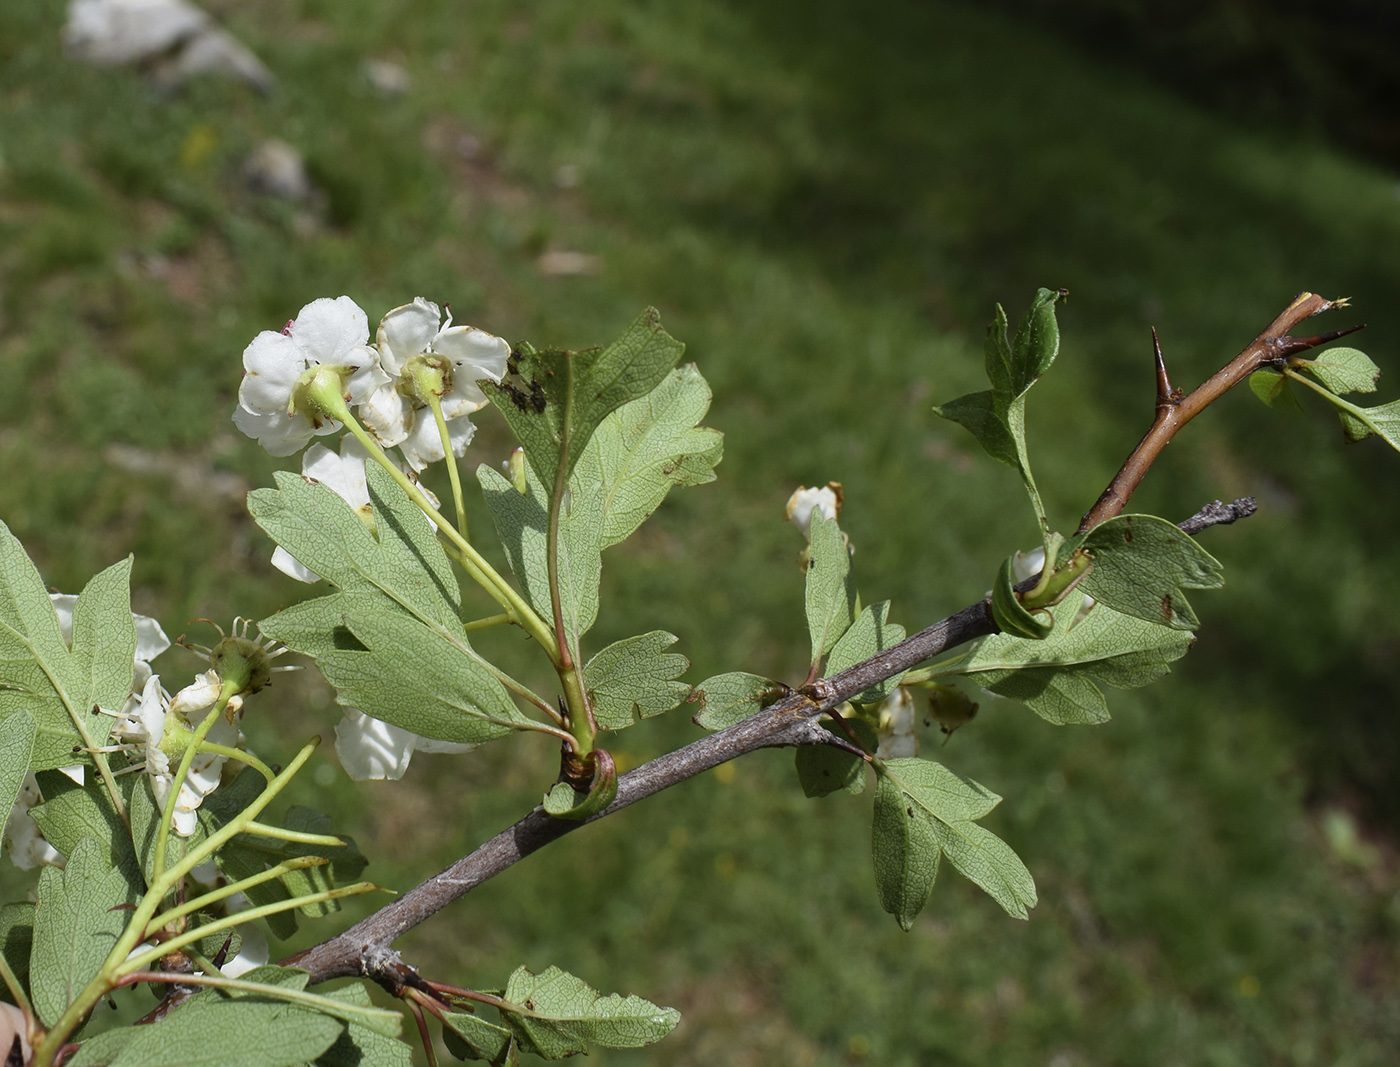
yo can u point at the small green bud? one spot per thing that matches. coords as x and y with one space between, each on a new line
242 663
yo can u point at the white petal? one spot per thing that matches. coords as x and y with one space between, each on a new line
387 415
474 353
150 638
406 331
196 697
281 434
287 564
368 376
804 501
345 473
63 604
1027 564
372 749
327 330
424 442
272 363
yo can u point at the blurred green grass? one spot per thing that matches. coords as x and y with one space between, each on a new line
824 203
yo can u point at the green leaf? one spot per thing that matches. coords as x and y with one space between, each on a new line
59 687
359 1045
16 746
76 923
952 802
636 676
561 1015
1272 388
871 632
230 1032
729 698
72 812
828 585
997 418
470 1038
825 769
390 640
1359 423
17 942
554 400
1037 341
1343 370
522 524
1056 677
1013 617
905 850
1142 565
644 448
979 414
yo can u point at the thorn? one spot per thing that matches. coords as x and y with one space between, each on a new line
1287 346
1164 384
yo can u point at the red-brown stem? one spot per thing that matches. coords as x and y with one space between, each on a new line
1174 411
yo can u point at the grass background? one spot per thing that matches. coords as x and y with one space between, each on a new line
825 203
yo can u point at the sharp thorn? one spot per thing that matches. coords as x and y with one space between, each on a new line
1289 345
1164 385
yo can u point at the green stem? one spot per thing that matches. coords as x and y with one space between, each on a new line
178 782
316 1002
12 983
300 837
581 723
239 756
435 402
300 863
135 963
486 624
471 560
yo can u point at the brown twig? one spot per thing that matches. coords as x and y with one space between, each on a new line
364 949
1174 410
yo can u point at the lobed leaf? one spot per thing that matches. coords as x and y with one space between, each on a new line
469 1037
951 803
390 639
1344 370
1142 564
62 687
77 920
1056 677
570 393
636 676
561 1015
729 698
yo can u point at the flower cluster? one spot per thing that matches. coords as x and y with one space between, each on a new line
418 359
416 355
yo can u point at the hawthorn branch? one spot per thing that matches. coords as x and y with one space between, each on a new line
364 949
1174 410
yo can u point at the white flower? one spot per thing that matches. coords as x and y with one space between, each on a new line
372 749
326 332
23 841
804 501
145 729
394 417
251 954
896 727
150 638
